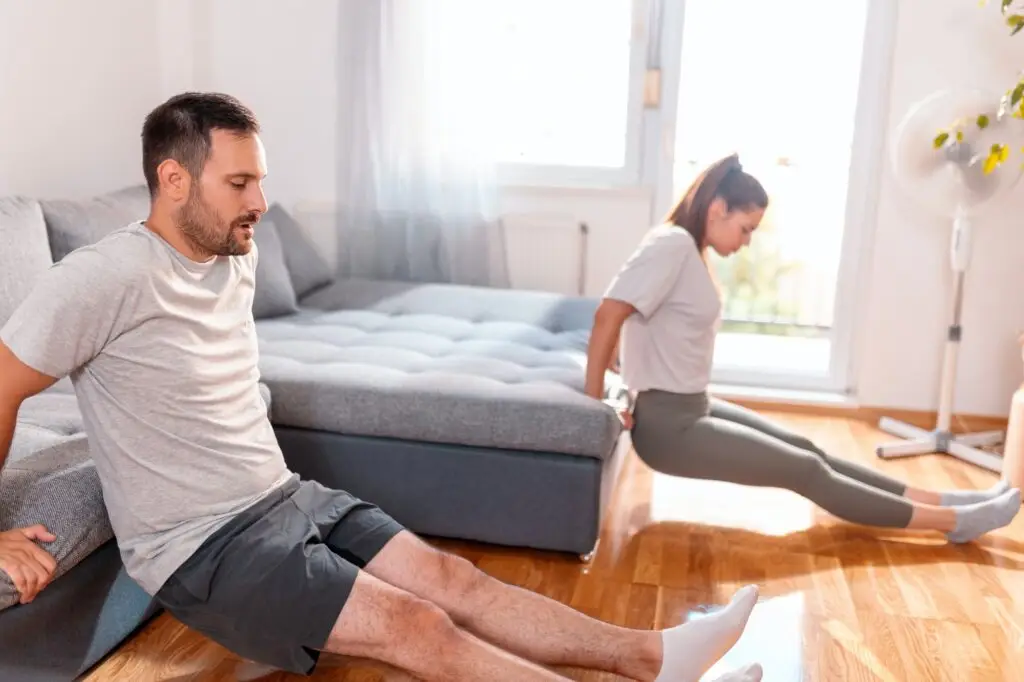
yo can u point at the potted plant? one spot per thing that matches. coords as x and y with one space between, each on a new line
1010 104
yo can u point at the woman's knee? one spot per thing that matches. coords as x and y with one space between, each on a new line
810 475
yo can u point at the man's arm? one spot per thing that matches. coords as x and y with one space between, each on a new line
29 566
74 310
18 382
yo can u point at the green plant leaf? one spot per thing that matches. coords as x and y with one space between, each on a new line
983 121
940 139
1005 6
1017 94
1015 21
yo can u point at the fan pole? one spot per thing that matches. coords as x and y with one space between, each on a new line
941 439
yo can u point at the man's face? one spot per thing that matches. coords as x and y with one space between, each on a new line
226 201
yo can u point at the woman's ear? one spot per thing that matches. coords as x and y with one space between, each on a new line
717 209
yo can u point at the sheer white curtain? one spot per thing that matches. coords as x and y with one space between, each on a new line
416 174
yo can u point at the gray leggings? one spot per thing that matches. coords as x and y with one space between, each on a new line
694 436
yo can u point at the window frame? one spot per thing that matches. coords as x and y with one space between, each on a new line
630 173
866 167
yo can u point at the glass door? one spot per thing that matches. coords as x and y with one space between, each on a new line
765 80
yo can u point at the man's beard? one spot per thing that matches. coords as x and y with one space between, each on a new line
208 234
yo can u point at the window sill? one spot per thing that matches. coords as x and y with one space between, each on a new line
783 396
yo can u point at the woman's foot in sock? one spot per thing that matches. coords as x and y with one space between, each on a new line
690 649
954 498
749 673
974 520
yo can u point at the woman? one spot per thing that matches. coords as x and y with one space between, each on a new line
667 307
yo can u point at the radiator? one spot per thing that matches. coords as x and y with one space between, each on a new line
546 252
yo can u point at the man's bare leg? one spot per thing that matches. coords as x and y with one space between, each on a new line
543 630
387 624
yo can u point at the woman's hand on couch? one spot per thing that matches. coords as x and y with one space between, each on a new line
28 565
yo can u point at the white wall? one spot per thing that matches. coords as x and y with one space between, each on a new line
76 81
53 54
906 281
283 65
281 62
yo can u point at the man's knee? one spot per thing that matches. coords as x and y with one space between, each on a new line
455 577
422 636
413 617
385 623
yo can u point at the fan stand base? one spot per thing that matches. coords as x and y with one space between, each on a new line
963 446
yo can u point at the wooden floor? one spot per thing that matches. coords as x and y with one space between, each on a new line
840 603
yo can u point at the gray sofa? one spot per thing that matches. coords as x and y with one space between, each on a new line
459 410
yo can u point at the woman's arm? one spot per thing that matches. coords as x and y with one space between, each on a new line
604 339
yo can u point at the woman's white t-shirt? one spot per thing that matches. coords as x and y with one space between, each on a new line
669 343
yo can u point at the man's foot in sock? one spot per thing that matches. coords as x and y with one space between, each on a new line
953 498
977 519
690 649
749 673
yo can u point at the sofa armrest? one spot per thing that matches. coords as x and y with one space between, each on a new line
265 394
58 487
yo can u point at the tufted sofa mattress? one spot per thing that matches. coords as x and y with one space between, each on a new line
458 410
438 363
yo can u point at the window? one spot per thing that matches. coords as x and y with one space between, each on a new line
561 80
794 122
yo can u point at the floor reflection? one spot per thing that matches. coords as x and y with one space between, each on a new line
715 503
774 638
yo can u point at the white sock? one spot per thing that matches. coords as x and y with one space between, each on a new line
953 498
749 673
691 648
977 519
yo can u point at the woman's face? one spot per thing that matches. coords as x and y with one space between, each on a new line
729 231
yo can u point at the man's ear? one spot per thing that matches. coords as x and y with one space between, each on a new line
175 181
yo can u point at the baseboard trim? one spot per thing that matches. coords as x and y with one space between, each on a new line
925 419
825 404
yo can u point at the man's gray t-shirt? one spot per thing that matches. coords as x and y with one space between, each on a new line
669 343
162 351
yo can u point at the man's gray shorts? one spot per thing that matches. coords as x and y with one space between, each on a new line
271 584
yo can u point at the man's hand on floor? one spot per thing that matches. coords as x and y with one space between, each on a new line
29 566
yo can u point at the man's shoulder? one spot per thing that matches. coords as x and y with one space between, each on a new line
124 254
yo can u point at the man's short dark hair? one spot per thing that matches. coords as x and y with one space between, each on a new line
180 129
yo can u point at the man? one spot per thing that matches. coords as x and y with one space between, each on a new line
154 326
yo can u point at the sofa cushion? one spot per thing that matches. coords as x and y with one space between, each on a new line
307 268
47 419
24 251
74 223
440 363
58 487
50 478
275 294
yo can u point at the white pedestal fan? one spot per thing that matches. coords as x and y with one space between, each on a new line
951 182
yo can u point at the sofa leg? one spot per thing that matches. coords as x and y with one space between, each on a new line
589 556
